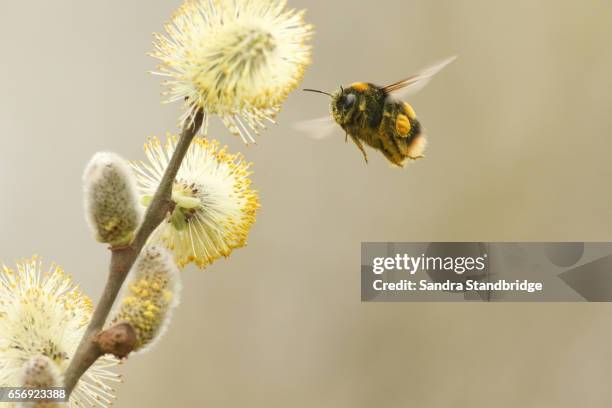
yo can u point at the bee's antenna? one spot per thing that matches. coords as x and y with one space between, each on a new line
317 91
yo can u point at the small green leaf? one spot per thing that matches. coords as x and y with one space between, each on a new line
178 219
146 200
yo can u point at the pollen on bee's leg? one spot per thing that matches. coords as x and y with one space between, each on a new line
402 125
409 111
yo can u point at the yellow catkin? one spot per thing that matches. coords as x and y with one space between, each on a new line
43 316
215 205
151 295
254 53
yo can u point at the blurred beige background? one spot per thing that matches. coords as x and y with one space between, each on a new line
520 147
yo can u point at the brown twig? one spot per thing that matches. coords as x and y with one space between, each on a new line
123 258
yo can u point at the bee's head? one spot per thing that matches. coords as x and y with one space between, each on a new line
343 104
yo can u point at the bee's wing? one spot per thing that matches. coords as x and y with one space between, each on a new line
319 128
417 81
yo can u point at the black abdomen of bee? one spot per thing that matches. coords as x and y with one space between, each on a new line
415 129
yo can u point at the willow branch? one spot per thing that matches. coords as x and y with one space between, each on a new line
123 258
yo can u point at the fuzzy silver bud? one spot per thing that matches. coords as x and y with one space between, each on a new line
40 372
111 202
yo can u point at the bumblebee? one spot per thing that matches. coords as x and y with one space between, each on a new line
375 116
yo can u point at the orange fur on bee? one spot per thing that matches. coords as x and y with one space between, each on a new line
360 86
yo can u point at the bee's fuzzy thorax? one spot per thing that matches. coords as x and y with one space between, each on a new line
360 86
359 104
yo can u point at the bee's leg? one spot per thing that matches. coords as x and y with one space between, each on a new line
402 125
360 146
346 138
393 123
393 159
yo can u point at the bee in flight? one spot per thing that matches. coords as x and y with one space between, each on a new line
377 116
